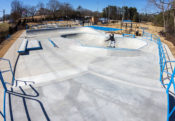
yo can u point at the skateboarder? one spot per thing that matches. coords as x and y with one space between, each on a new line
112 40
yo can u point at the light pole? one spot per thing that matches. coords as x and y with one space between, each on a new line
108 11
67 13
97 7
3 11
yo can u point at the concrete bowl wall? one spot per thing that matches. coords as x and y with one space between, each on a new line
98 40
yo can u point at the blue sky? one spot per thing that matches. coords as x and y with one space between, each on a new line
141 5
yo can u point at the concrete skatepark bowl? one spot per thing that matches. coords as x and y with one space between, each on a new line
97 40
83 80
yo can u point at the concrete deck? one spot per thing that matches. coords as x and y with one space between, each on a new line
77 83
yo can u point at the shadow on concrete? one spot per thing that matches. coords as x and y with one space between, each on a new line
25 82
24 93
24 96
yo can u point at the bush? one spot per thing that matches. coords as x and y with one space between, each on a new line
3 35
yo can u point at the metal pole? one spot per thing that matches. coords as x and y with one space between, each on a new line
4 15
2 81
97 7
108 13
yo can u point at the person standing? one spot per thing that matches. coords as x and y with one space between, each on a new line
112 41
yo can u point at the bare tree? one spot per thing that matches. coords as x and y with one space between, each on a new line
16 9
32 11
66 10
53 6
164 6
173 7
85 12
40 5
42 10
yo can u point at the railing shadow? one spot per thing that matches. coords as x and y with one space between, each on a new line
9 70
22 95
25 82
21 89
24 98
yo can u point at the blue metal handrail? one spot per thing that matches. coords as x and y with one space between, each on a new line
128 35
10 65
3 114
170 112
147 35
163 62
52 43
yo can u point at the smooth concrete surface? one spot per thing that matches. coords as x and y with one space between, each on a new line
23 46
98 40
72 82
33 44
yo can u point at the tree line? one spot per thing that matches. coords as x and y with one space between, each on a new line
57 10
166 16
121 13
53 10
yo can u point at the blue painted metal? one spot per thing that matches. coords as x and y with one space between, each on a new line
4 105
4 100
128 35
147 35
163 62
2 81
8 36
52 43
1 114
13 77
169 113
5 87
127 21
103 28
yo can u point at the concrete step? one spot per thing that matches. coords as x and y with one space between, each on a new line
23 46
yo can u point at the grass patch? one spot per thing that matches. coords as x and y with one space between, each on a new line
4 27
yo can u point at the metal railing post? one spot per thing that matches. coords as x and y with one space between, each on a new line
2 81
163 62
4 101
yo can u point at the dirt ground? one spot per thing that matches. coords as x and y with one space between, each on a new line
4 26
156 30
5 45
